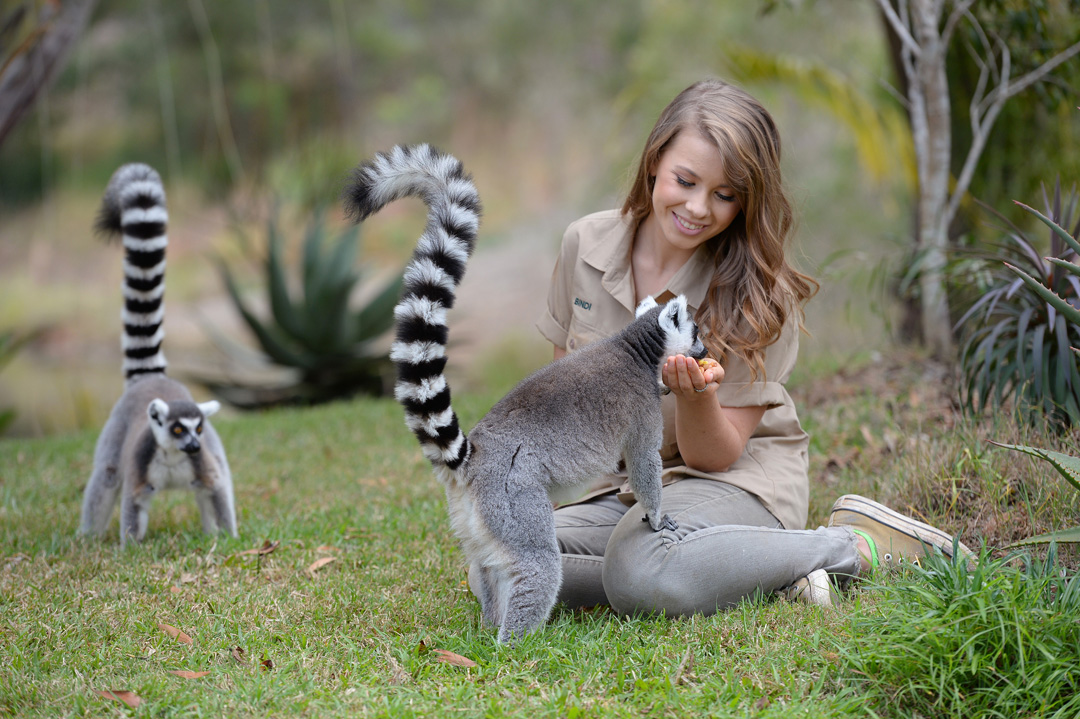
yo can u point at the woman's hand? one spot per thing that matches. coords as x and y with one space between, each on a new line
692 379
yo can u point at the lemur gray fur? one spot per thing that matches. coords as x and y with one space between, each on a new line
560 428
157 437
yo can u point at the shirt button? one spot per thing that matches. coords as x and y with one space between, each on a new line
572 343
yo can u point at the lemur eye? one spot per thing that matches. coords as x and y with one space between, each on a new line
198 429
177 429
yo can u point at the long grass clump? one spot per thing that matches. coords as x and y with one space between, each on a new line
1002 640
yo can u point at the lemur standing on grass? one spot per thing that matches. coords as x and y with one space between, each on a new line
156 437
565 425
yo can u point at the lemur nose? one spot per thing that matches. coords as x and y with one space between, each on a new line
191 447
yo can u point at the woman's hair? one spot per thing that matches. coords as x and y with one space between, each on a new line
753 289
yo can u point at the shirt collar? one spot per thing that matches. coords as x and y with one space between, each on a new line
610 253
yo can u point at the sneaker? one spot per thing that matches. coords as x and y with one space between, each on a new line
893 538
814 588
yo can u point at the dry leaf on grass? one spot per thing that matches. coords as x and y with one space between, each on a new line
175 633
450 658
238 655
266 663
184 674
319 564
130 698
398 675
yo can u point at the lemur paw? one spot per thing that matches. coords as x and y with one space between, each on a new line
666 522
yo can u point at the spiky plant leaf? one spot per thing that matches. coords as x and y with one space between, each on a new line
1057 229
378 315
1066 465
1051 298
317 333
269 339
1069 267
281 303
1021 324
1064 536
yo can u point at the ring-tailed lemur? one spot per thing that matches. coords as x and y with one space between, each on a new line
560 428
156 437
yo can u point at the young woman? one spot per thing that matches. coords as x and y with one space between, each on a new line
707 217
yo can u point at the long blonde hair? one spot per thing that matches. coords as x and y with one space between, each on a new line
753 289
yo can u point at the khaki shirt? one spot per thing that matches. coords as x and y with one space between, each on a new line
592 296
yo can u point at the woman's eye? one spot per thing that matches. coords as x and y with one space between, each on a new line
725 198
683 182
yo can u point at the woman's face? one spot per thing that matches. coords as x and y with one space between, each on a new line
692 200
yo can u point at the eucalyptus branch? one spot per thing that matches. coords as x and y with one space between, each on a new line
1025 81
899 26
961 10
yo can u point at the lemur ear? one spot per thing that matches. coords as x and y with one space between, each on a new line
646 304
157 411
209 408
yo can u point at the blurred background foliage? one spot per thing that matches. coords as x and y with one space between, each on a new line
546 102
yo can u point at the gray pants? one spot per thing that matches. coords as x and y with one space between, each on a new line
727 547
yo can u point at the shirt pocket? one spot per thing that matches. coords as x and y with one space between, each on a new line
582 331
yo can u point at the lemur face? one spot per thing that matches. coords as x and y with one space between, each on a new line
178 425
680 330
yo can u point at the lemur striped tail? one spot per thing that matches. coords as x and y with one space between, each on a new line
134 207
431 278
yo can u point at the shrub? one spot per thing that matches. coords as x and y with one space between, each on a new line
1017 336
329 347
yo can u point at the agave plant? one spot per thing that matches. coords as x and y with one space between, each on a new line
11 342
1068 467
1019 334
329 346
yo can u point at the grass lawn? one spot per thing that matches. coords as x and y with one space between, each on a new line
344 594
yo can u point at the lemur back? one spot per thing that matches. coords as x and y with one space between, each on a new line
157 437
564 426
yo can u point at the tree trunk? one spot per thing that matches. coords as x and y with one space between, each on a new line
933 148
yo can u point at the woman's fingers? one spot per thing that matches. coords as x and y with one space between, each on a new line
685 375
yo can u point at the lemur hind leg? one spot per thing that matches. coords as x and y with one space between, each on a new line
532 594
534 568
99 500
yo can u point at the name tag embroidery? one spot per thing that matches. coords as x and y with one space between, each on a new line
578 302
